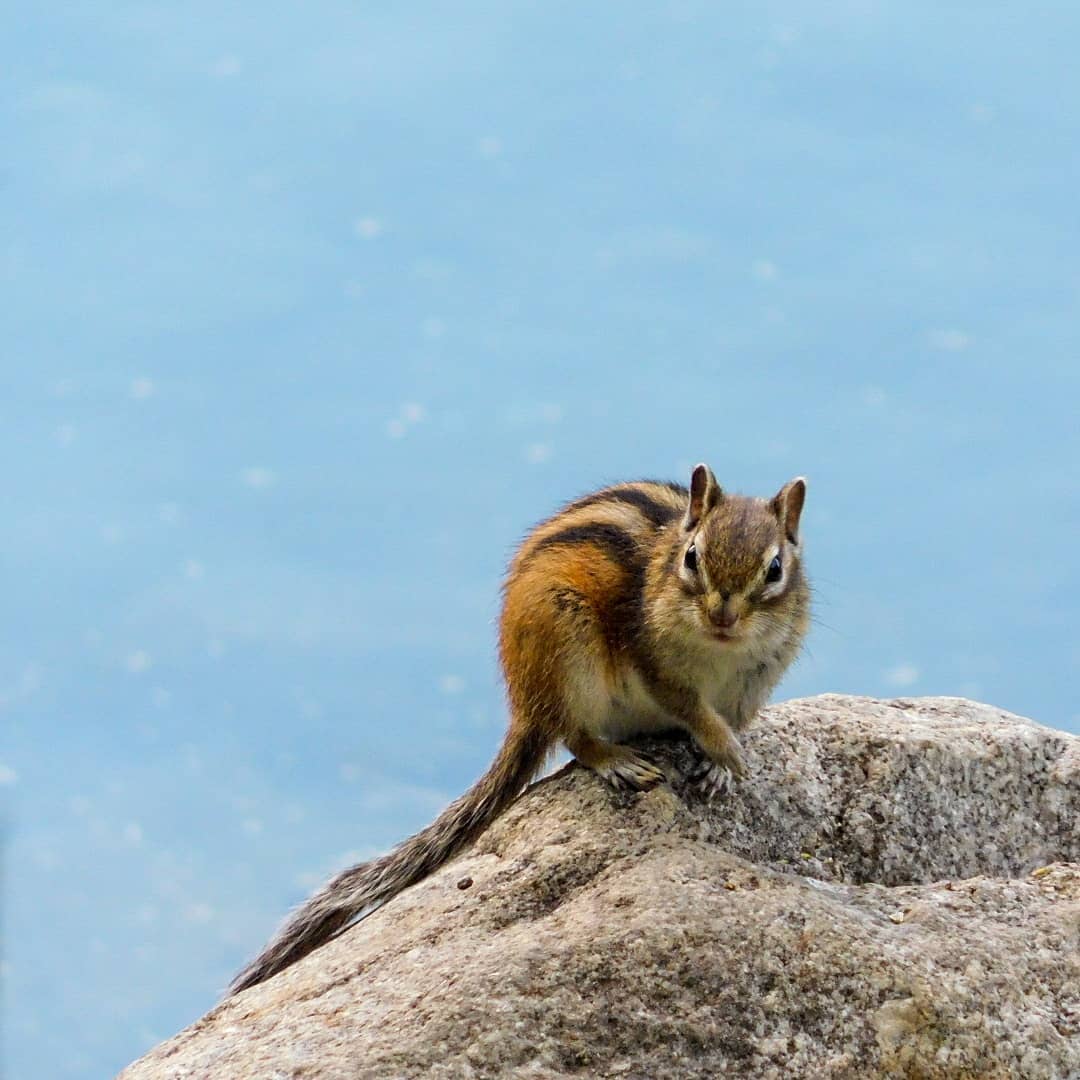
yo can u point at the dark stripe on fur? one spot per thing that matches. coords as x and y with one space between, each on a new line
615 541
656 512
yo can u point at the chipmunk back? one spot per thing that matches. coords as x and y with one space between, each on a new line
641 607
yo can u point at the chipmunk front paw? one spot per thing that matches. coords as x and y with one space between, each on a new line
712 779
715 774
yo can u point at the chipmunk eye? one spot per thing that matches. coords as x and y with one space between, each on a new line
775 571
690 559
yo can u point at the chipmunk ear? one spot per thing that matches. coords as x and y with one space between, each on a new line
787 505
705 493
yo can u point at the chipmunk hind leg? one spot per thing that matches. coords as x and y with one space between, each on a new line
572 702
560 672
619 765
585 687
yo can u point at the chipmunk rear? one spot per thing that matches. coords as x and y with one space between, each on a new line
642 607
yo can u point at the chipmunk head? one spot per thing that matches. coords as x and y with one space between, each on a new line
738 560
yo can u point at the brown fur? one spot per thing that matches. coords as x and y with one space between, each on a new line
607 632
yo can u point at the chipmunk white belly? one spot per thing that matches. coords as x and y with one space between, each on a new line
724 676
724 684
632 710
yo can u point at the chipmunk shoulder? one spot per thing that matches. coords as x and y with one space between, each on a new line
640 607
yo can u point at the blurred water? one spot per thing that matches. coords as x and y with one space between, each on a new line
311 311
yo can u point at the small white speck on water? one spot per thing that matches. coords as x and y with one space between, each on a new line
903 674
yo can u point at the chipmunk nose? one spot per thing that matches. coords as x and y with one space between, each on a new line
725 614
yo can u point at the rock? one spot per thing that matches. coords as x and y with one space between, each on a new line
894 891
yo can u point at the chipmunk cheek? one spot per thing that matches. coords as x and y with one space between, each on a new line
695 613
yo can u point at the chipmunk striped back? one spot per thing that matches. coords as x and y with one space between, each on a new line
575 595
589 563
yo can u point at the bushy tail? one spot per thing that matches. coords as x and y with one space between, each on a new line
362 887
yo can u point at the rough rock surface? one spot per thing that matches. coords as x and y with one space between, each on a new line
894 891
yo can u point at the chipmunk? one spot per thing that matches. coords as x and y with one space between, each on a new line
639 608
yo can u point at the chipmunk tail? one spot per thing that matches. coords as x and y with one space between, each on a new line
357 891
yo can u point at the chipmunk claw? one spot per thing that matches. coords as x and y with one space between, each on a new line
711 780
632 771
